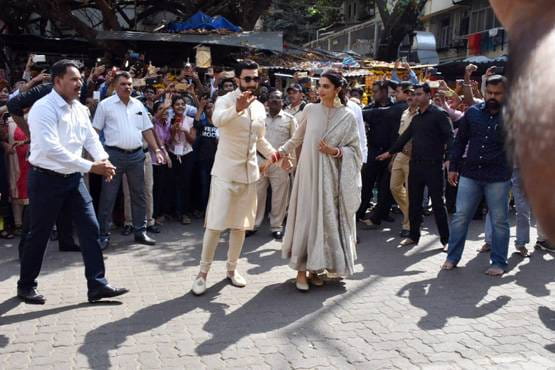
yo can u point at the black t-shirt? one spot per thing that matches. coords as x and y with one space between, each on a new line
207 139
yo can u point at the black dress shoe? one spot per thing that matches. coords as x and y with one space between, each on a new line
388 219
155 229
250 233
105 292
404 233
69 248
143 238
127 230
277 235
30 296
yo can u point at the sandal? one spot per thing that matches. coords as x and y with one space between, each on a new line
4 234
448 265
315 279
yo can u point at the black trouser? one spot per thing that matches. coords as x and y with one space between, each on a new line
385 199
205 167
375 172
48 194
163 190
182 168
430 174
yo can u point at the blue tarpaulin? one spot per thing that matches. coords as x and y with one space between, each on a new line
202 21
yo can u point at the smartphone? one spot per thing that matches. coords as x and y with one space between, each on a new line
39 58
499 70
96 95
302 75
433 84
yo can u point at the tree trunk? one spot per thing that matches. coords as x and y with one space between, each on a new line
402 20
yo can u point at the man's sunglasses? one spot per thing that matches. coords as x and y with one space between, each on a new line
248 79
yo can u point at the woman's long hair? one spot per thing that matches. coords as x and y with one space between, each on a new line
337 79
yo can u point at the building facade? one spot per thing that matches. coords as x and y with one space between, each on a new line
464 28
360 33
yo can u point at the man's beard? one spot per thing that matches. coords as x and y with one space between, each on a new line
254 90
493 104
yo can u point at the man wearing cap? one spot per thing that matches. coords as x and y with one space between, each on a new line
385 130
297 103
380 137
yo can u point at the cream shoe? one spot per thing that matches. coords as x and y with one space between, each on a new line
199 286
237 280
303 287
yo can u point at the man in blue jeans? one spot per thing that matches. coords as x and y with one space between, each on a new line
484 172
523 214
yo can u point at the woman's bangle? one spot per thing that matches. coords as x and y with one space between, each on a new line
338 154
276 156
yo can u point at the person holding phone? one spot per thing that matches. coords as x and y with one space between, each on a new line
183 136
205 146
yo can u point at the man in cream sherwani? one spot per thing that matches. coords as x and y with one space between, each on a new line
240 120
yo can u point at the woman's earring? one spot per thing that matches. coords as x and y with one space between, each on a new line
337 102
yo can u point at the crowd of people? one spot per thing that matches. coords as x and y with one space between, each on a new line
225 146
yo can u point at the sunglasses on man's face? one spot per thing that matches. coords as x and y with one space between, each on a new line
248 79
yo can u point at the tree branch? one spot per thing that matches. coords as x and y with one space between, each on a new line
109 16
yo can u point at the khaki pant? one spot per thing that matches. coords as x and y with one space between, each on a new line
399 186
210 242
149 182
280 181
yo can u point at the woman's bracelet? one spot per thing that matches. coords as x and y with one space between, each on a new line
339 153
276 156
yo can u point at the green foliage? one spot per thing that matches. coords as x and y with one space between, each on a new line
299 19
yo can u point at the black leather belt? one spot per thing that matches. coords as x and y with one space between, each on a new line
127 151
52 173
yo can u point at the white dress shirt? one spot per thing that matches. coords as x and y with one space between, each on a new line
59 131
123 124
357 111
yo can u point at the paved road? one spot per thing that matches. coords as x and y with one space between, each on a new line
397 311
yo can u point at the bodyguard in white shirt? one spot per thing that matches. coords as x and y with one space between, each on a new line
125 122
60 128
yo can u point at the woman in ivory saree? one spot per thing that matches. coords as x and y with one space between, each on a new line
321 228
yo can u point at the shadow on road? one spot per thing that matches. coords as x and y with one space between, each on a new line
535 275
547 316
110 336
275 306
457 293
